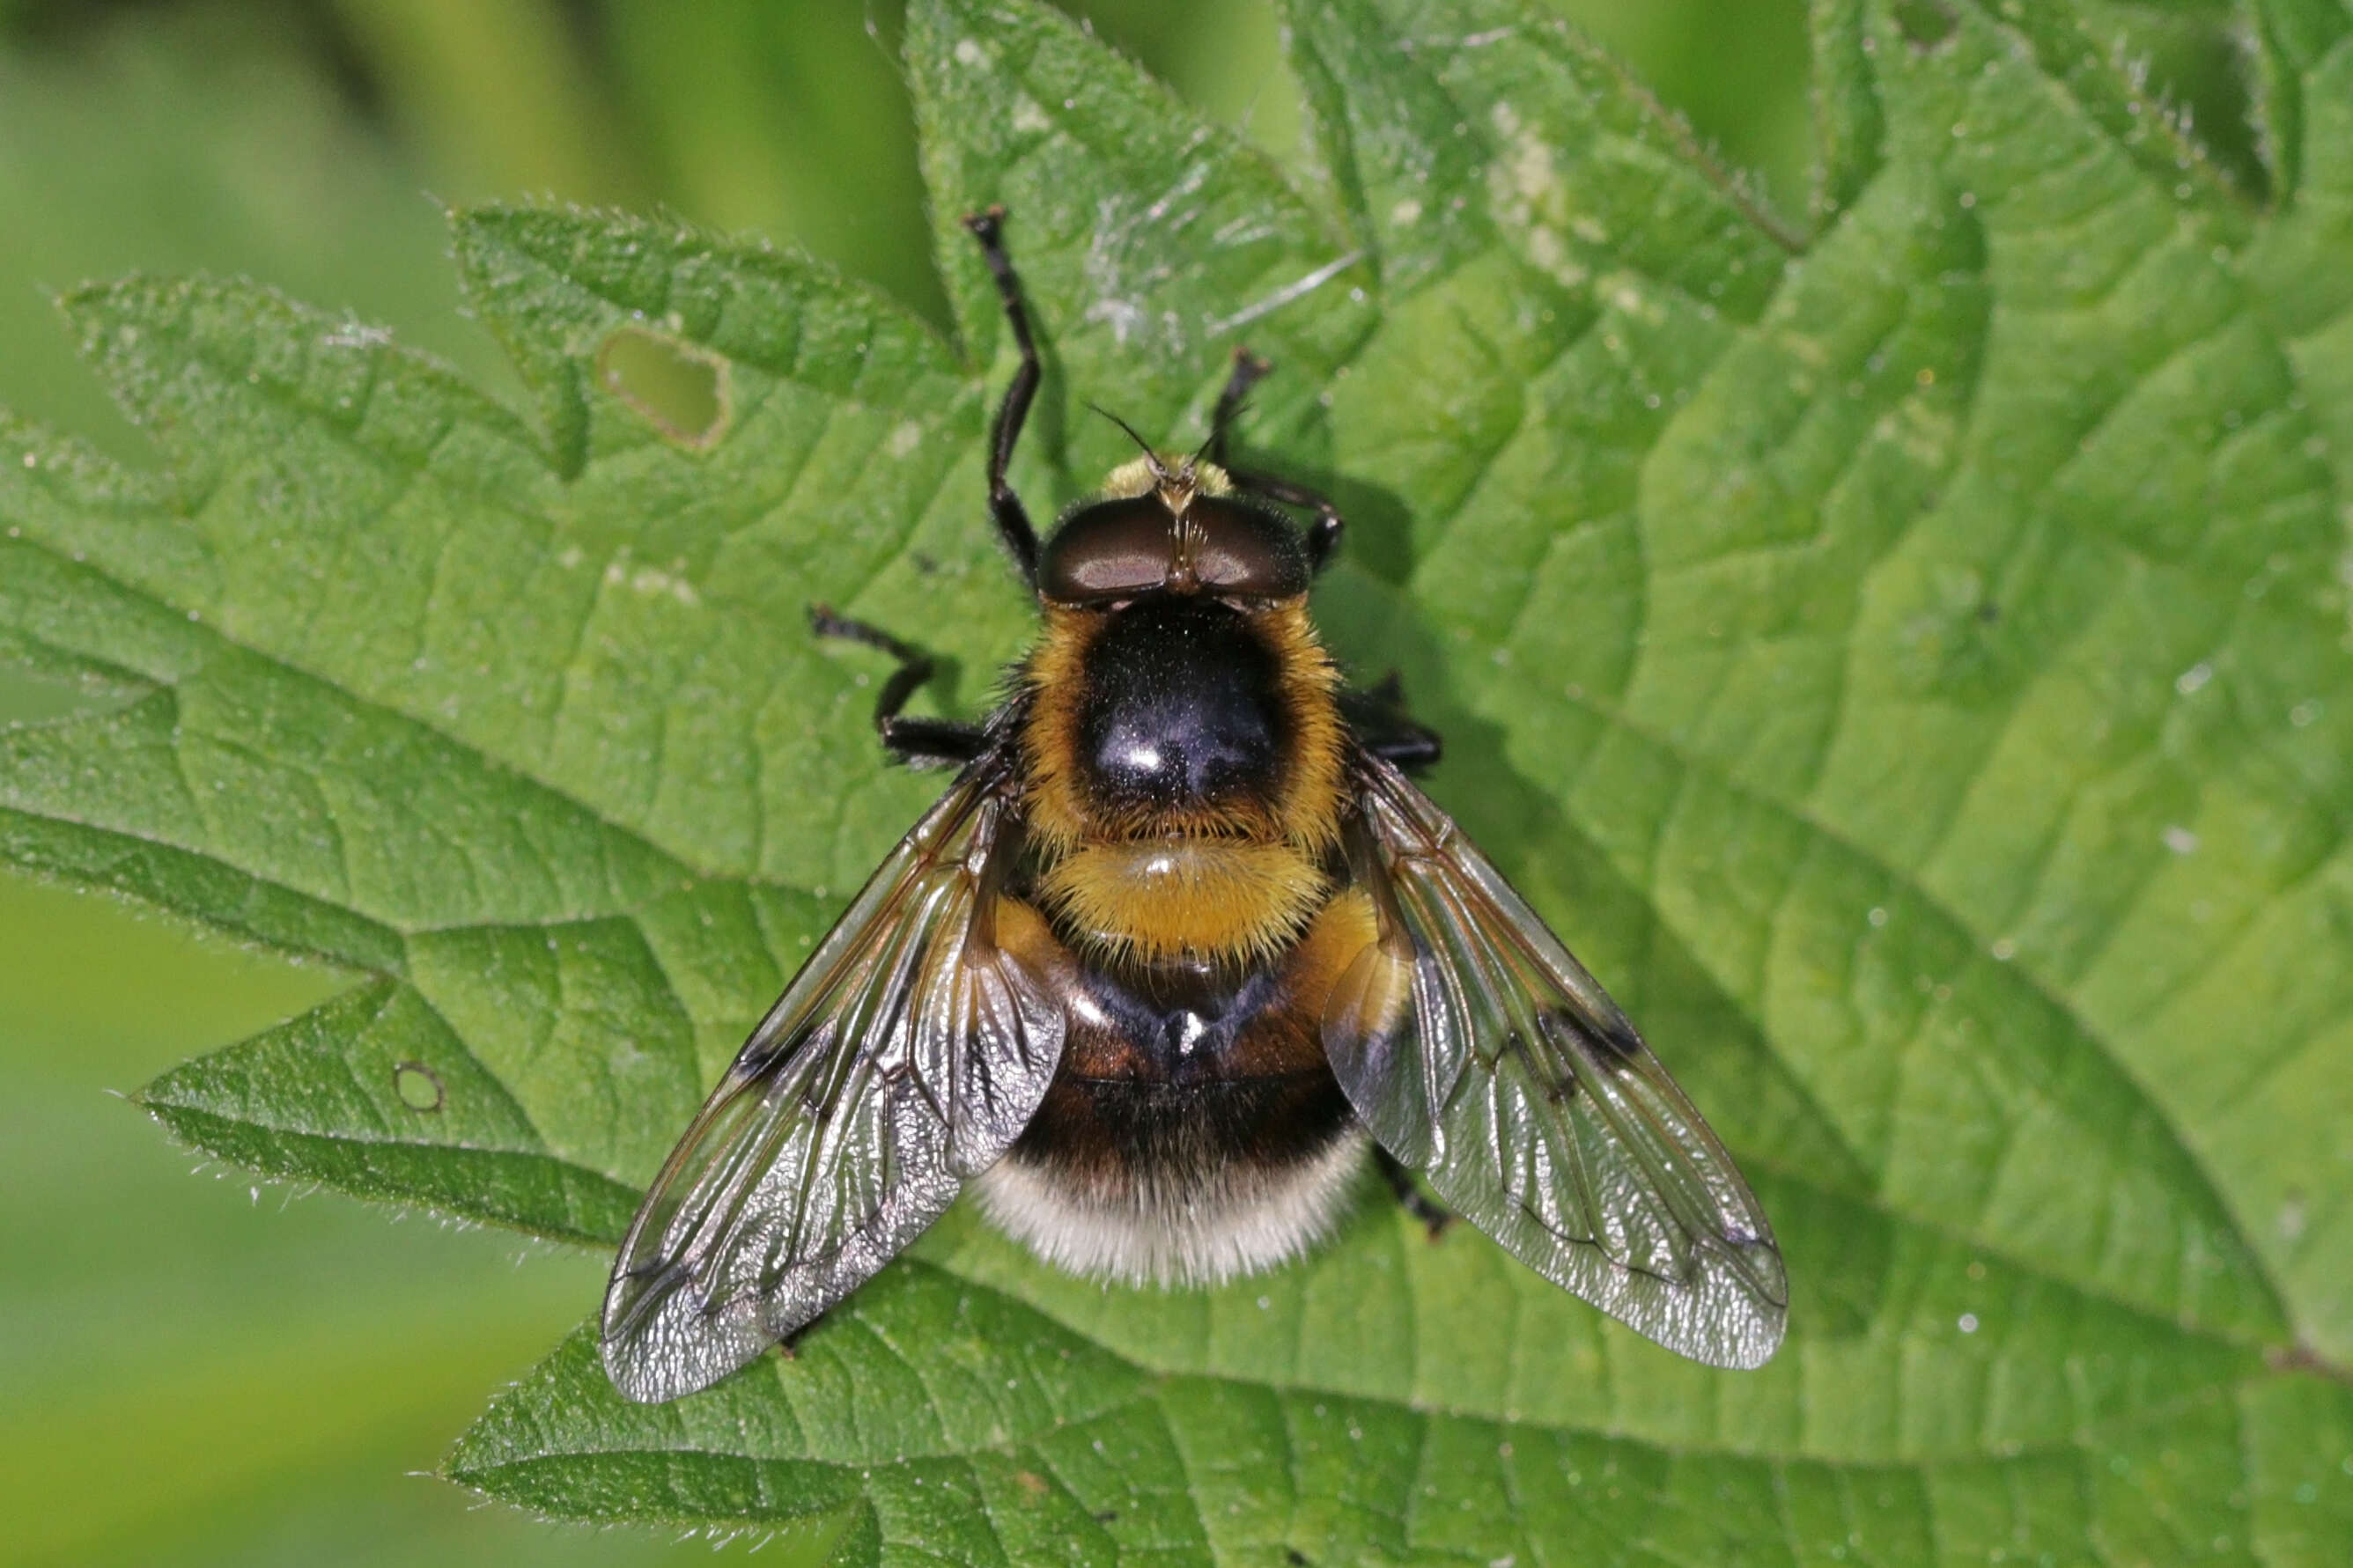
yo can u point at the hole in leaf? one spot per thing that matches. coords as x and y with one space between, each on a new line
680 388
418 1086
1924 24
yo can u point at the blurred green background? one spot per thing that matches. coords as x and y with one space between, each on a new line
193 1372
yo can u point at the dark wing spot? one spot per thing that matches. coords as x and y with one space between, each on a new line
1615 1044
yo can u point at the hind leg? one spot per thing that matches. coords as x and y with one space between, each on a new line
1435 1216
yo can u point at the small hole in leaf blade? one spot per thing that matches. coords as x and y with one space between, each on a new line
681 389
1925 23
418 1086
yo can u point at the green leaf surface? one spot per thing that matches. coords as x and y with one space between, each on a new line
1911 666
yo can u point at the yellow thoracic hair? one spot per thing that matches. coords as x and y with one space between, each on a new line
1233 878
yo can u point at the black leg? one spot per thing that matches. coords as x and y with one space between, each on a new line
1401 1181
1012 518
1323 534
1377 718
912 739
1412 752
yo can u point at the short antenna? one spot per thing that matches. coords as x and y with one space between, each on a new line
1142 446
1201 451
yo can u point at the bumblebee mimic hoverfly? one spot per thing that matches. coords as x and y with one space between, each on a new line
1181 950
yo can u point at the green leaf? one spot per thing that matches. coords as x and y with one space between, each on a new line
1910 665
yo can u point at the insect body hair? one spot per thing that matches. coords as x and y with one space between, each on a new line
1237 876
1245 1219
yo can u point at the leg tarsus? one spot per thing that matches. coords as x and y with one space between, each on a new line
1434 1217
1324 533
916 666
912 739
1012 518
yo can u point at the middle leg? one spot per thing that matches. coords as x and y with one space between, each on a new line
909 740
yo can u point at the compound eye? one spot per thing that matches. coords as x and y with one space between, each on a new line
1246 550
1109 550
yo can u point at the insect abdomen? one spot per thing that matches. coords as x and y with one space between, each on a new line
1194 1131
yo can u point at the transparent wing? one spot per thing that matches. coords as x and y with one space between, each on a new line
1482 1054
905 1057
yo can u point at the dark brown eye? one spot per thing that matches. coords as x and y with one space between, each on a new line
1246 550
1109 550
1127 546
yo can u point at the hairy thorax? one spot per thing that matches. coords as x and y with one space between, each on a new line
1183 789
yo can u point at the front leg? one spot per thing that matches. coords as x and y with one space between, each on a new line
1012 518
1377 717
1324 533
